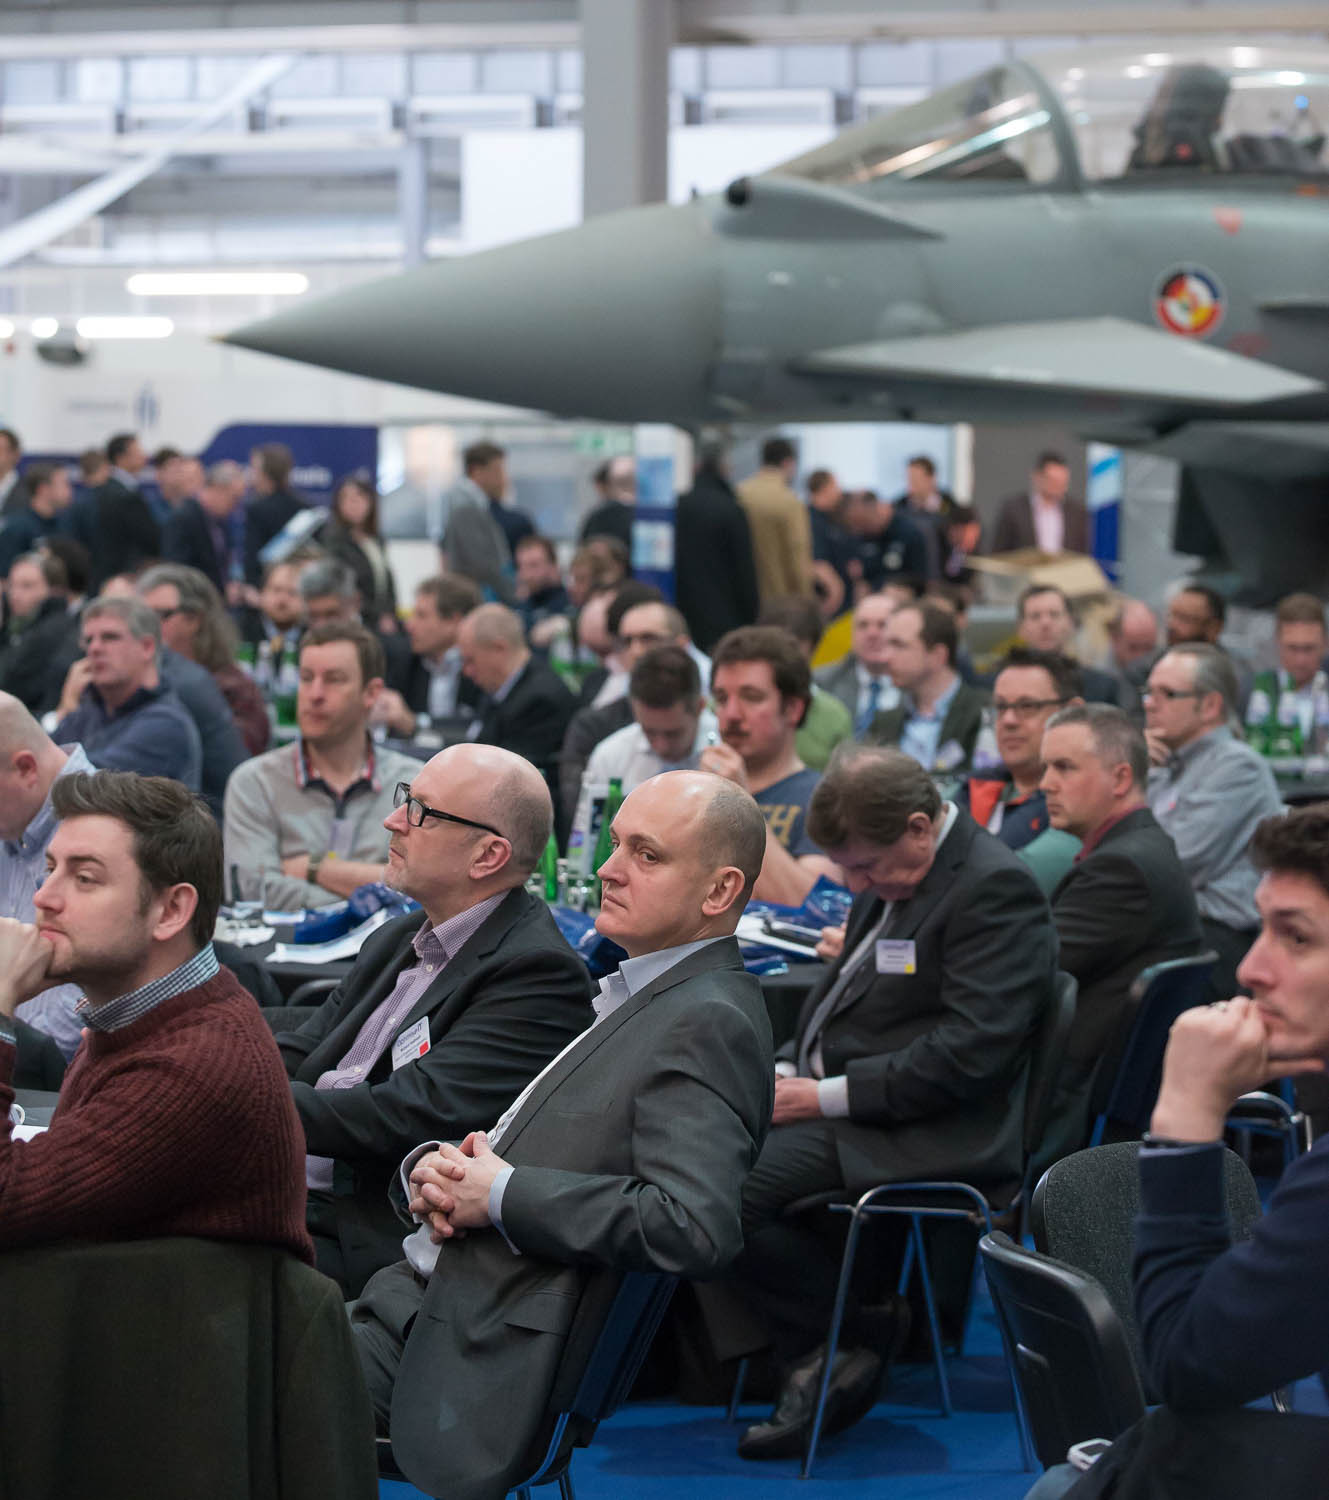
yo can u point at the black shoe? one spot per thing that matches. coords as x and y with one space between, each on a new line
855 1376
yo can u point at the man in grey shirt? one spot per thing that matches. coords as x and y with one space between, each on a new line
308 817
1208 790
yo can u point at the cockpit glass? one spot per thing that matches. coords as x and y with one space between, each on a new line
1194 110
991 128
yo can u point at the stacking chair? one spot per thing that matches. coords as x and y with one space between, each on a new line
1264 1112
1160 994
1084 1214
1071 1357
918 1201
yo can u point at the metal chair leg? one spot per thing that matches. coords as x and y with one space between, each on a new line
833 1339
736 1395
934 1325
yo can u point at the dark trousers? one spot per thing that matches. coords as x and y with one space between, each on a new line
381 1321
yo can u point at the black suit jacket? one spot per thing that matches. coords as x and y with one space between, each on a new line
1015 525
416 693
532 719
1126 904
187 539
123 533
963 721
34 667
265 515
629 1155
511 999
937 1060
715 577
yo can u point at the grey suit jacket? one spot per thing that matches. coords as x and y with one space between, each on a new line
842 680
630 1154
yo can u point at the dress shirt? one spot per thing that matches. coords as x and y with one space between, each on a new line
1208 798
626 756
867 707
435 948
497 697
1049 524
22 870
833 1093
124 1010
444 681
631 976
921 732
614 687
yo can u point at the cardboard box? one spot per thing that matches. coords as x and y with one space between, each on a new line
1007 574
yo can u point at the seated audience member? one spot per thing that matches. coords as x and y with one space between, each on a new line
1295 696
330 596
304 822
1222 1325
827 722
195 625
351 535
1208 791
30 764
178 1066
526 707
1196 614
962 536
610 562
1047 623
628 1153
39 515
761 689
938 718
639 625
436 689
1124 904
540 591
670 725
441 1021
888 544
715 574
1030 688
197 532
115 703
910 1059
615 483
610 684
1132 646
274 628
40 630
474 544
271 505
862 681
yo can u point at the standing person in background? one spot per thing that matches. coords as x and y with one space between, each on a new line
1046 516
715 577
115 522
11 486
195 625
832 545
36 513
271 506
473 542
615 482
197 532
781 530
928 506
352 536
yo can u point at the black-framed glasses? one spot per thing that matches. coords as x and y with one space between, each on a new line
1023 708
1170 695
417 812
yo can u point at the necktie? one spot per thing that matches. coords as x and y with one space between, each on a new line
870 708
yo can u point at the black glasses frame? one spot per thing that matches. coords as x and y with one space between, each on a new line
1170 695
417 812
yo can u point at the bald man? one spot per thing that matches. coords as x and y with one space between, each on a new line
441 1020
526 707
30 764
628 1154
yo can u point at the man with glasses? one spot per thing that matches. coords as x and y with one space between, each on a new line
444 1018
304 823
1208 790
1009 801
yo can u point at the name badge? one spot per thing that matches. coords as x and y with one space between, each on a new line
895 956
412 1043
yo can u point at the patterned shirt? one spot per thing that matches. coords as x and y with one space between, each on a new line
124 1010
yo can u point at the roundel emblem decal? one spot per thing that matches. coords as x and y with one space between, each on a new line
1189 301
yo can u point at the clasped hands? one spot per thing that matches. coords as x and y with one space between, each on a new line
450 1187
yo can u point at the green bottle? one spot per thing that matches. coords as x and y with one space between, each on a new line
604 846
548 870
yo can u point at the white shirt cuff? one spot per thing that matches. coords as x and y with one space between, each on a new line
785 1069
409 1161
833 1097
496 1190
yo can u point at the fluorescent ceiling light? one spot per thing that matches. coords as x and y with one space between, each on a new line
6 329
1158 59
45 328
217 283
124 328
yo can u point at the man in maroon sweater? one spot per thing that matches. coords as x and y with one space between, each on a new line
175 1116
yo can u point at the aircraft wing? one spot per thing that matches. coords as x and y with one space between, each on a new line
1105 357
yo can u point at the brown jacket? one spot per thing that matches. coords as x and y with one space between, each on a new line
781 535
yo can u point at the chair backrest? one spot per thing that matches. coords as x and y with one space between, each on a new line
616 1319
1084 1211
1072 1360
1160 994
1049 1049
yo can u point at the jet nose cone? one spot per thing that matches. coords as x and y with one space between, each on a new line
616 319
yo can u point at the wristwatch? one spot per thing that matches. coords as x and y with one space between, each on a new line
312 869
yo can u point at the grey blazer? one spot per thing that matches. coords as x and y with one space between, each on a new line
630 1154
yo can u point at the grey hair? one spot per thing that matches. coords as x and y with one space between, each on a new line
225 472
1213 671
1116 740
141 621
328 576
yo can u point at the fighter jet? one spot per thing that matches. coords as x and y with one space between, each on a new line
1131 244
